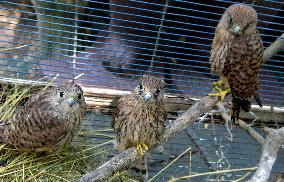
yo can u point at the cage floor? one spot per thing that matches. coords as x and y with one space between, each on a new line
210 150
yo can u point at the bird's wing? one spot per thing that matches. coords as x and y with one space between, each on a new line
119 113
219 50
35 129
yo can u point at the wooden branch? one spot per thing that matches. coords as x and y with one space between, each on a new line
223 112
252 132
274 48
127 157
270 147
226 117
273 141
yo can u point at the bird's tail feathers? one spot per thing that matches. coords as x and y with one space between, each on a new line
237 105
258 100
242 103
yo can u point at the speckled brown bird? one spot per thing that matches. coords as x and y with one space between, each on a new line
237 55
278 178
139 119
48 121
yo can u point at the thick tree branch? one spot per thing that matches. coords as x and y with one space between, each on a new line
274 48
124 159
273 141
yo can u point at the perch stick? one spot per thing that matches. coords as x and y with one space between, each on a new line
274 48
130 155
273 141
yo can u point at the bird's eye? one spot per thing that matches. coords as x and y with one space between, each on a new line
79 96
61 94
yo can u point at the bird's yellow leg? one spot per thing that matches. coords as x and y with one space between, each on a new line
218 87
221 93
141 148
218 83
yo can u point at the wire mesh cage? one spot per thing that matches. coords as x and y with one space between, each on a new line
114 42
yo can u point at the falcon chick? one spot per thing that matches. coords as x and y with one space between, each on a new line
139 119
237 55
48 121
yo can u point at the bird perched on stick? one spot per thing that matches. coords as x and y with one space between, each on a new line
48 121
139 119
237 55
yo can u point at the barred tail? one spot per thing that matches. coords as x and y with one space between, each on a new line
245 104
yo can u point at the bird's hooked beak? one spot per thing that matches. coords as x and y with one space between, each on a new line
71 101
147 96
237 29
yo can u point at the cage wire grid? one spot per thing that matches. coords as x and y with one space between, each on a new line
126 44
114 42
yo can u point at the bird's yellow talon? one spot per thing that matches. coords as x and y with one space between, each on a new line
221 93
218 89
219 83
141 148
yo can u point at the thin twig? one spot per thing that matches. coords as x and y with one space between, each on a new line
13 48
189 148
77 77
50 82
210 173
